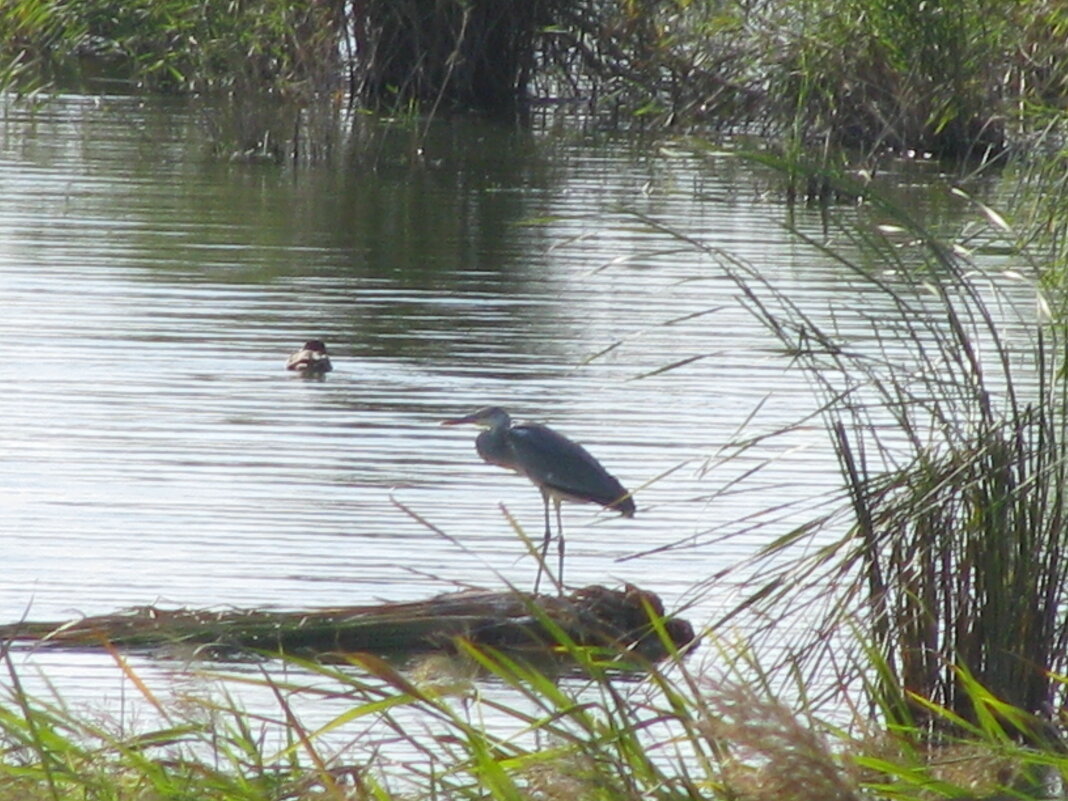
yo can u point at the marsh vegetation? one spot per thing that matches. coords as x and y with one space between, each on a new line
967 80
934 631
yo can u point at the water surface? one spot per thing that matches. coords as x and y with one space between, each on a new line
153 449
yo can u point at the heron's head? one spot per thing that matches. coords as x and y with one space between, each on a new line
490 417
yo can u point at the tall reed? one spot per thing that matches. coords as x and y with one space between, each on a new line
490 726
965 79
948 416
900 74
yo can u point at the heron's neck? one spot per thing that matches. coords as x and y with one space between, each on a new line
492 446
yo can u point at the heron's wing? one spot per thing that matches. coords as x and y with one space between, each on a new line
553 461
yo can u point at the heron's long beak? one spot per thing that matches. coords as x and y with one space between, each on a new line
459 421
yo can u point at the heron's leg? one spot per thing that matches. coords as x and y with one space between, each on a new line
559 547
545 543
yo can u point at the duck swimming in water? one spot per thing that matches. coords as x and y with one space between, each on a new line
311 361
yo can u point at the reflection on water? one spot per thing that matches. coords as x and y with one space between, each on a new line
155 449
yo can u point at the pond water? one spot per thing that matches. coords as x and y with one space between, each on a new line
153 449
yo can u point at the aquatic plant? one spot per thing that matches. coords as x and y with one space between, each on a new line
902 75
961 80
427 730
178 45
950 423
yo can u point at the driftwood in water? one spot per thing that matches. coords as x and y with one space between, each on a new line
510 620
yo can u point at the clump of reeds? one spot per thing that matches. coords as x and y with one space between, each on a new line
588 735
963 79
949 420
882 74
183 45
773 751
272 68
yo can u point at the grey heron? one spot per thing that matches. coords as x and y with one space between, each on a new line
561 469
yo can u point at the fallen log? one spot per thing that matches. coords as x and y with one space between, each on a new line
626 621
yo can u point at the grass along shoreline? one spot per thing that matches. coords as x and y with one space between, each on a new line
836 80
671 735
